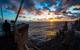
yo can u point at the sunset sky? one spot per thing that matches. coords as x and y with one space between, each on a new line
36 7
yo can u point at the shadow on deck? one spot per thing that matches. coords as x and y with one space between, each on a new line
7 43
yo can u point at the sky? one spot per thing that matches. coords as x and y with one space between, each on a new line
35 7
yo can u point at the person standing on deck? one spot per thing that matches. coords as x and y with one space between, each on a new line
6 28
65 27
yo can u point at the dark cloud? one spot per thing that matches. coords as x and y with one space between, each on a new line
4 2
75 2
61 4
71 2
28 4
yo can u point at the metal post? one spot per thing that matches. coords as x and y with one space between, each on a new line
2 14
19 10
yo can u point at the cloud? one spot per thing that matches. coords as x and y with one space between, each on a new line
4 2
39 4
28 4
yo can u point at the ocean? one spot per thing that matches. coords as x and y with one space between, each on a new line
43 31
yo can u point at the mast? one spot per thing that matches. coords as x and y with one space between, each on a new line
19 10
2 14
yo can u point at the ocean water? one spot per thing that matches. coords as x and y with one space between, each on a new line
43 31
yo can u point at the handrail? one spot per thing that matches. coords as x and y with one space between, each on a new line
26 47
35 47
